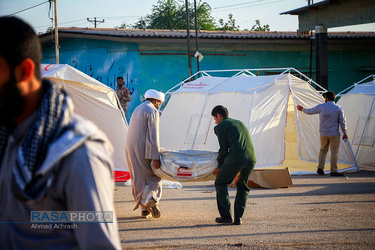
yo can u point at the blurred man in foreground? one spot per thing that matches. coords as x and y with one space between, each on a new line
52 161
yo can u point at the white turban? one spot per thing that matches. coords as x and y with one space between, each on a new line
152 93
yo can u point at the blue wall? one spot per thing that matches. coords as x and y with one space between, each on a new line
105 60
102 60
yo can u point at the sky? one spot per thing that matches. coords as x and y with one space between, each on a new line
74 13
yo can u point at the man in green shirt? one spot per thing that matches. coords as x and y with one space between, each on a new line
236 154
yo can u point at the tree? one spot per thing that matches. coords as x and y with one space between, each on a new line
169 14
141 24
164 15
205 20
123 25
230 25
259 27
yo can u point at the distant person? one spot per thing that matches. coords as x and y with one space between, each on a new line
123 94
331 116
50 158
142 147
236 154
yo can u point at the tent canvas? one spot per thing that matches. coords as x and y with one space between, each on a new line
262 103
94 101
358 102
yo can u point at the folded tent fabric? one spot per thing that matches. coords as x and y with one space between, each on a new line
187 165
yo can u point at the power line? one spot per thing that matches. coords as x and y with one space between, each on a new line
233 5
78 20
27 8
249 5
118 17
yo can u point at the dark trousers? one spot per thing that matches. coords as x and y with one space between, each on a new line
225 177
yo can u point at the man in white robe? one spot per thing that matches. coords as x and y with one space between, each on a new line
142 148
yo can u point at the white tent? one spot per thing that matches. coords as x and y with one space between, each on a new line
94 101
358 102
262 103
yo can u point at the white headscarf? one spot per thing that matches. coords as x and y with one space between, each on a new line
152 93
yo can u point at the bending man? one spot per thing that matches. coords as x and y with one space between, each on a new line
236 154
142 148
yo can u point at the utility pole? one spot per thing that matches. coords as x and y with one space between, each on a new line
321 54
196 32
188 36
56 34
95 21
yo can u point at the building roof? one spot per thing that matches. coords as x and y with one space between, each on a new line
308 7
202 34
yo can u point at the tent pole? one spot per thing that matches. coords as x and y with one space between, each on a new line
188 35
308 78
249 72
354 157
56 35
182 83
196 33
355 84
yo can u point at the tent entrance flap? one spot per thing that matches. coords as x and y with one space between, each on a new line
292 160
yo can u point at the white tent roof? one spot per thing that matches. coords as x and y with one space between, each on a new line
359 107
367 88
224 84
94 101
262 103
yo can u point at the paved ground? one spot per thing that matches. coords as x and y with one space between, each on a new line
316 212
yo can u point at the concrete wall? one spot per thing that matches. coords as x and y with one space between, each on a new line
162 67
102 60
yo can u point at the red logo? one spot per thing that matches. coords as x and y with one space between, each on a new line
47 67
184 172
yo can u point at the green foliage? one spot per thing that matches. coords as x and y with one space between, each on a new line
259 27
205 20
169 14
165 15
228 26
124 25
141 24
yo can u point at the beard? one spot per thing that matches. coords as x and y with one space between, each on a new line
11 101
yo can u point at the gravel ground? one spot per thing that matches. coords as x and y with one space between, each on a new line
315 212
